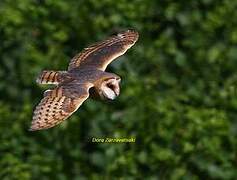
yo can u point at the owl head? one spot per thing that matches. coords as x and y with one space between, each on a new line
109 88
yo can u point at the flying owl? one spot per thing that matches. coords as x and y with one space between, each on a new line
85 71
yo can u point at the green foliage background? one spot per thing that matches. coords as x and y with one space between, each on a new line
178 97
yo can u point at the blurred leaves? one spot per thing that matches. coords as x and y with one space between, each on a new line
178 90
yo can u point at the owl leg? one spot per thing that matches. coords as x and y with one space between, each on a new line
50 77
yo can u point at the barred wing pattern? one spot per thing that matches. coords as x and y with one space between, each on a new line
101 54
58 104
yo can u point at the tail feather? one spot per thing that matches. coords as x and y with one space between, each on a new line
49 77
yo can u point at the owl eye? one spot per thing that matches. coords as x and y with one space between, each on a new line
111 86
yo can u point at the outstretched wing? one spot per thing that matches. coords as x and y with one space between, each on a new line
58 104
101 54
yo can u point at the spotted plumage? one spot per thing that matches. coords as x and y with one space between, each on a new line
86 71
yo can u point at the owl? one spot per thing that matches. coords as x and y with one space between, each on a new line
86 71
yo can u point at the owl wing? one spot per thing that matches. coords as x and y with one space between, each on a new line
101 54
58 104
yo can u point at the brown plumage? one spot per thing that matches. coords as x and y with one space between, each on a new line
86 70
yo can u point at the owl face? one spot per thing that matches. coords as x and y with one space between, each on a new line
109 89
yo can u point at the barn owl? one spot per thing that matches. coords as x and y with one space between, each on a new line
85 71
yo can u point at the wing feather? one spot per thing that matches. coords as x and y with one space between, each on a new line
58 104
101 54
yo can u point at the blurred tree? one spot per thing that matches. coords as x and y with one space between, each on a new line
178 90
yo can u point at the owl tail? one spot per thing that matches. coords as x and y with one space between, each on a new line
50 77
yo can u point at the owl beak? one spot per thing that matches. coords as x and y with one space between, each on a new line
117 91
116 87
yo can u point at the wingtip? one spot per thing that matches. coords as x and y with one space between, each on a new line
32 129
131 30
131 34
